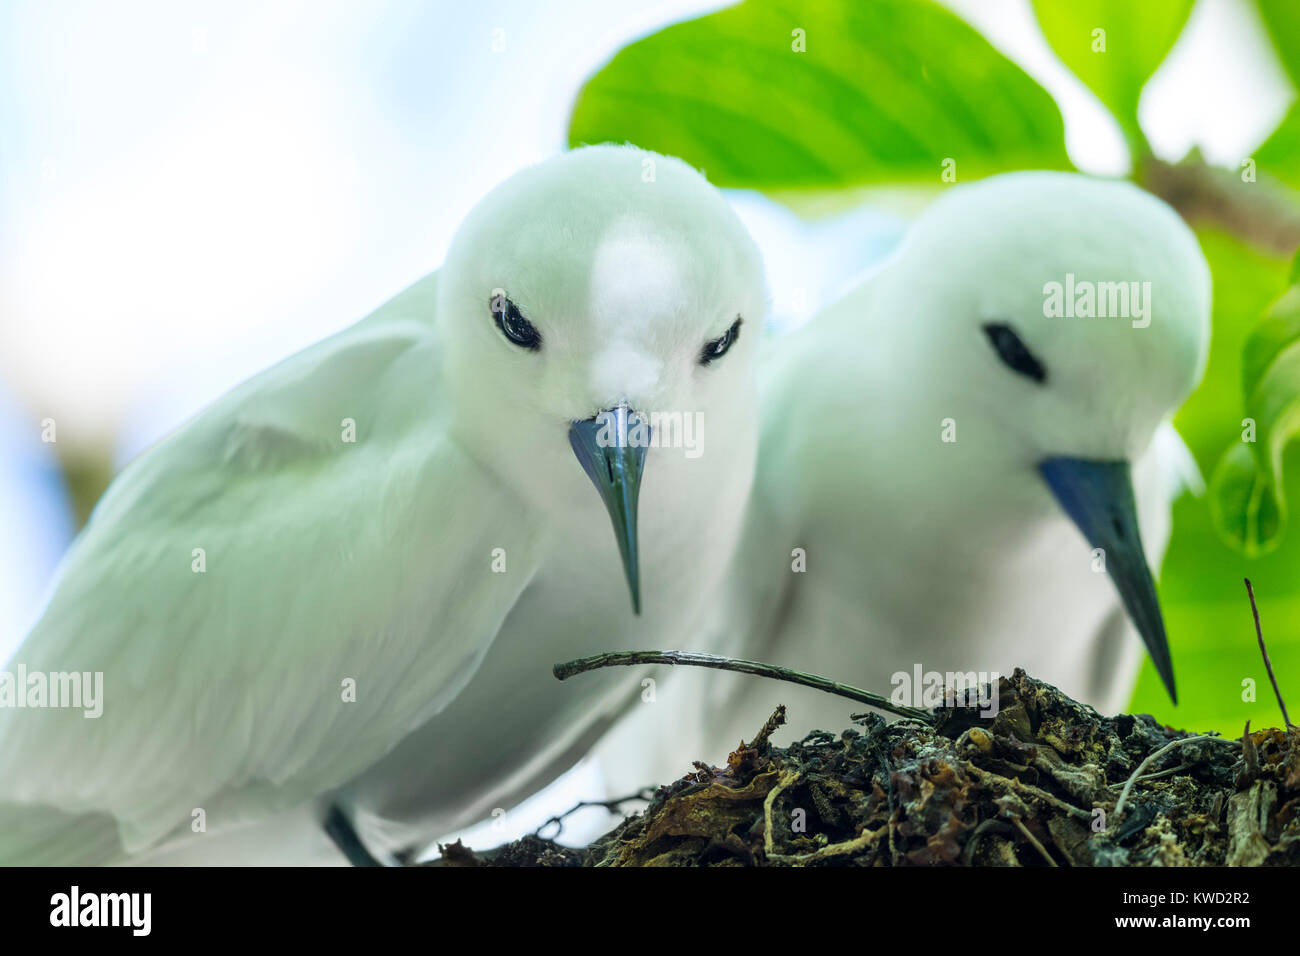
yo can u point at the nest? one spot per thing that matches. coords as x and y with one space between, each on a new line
1047 782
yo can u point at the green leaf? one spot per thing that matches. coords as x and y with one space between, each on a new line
1279 156
1246 497
1269 342
884 91
1114 64
1270 363
1246 281
1245 510
1204 604
1282 18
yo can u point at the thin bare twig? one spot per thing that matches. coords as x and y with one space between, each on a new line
1268 664
1034 841
1158 775
695 659
1018 787
785 781
1249 755
1119 806
645 794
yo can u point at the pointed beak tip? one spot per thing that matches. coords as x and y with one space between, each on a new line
1098 498
614 466
1170 688
634 589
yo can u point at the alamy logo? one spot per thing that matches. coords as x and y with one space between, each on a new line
56 690
1083 299
657 430
134 910
934 689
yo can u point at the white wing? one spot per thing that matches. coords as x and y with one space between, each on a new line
324 561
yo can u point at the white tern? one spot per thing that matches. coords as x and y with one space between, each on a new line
335 596
965 465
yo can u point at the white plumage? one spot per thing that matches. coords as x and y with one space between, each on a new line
374 561
957 555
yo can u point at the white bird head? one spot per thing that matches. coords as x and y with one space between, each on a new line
1072 318
582 297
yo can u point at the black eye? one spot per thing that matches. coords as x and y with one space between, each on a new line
512 323
1013 352
718 347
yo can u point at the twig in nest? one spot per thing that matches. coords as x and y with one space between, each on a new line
846 848
769 728
1119 806
1249 755
694 659
1158 775
1268 664
1018 787
645 794
1034 841
786 781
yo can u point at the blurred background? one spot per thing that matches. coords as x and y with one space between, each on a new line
190 191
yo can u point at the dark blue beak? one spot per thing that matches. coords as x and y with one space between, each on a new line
611 448
1098 497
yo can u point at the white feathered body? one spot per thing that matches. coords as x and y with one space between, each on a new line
899 519
931 554
236 577
345 584
325 561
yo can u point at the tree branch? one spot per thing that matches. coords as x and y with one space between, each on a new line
1265 213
